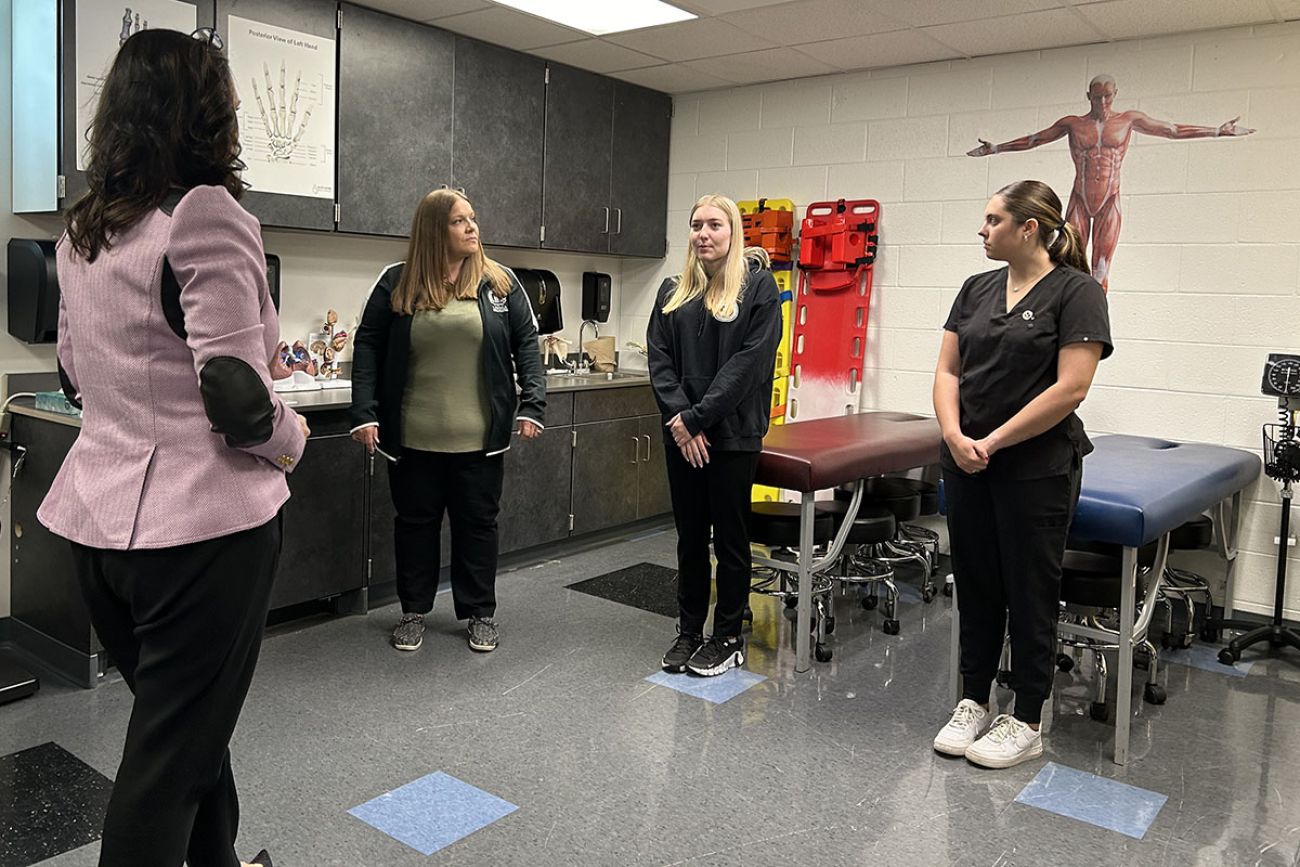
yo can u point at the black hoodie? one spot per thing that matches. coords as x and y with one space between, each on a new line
718 375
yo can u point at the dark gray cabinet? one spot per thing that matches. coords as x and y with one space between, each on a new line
642 125
498 115
606 463
381 566
308 16
652 480
576 208
535 496
395 118
606 176
322 554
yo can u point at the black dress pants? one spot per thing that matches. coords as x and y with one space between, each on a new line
1008 539
467 487
184 626
712 501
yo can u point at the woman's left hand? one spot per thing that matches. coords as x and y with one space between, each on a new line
528 430
987 447
681 436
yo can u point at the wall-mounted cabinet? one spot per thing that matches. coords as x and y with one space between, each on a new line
577 164
395 118
606 173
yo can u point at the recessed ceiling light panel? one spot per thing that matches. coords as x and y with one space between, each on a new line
599 17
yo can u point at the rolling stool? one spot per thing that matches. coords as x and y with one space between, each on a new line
1187 587
905 501
874 525
1090 592
913 536
776 526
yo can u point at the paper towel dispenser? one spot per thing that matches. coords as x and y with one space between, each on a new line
33 291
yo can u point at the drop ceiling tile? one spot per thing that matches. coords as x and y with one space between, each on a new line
1126 19
770 64
510 28
598 55
878 50
810 20
923 13
672 78
1049 29
691 40
425 10
721 7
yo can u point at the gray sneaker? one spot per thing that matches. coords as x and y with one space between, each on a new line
483 634
408 634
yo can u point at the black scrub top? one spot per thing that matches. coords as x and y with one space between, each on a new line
1009 357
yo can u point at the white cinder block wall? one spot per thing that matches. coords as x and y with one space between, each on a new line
1205 278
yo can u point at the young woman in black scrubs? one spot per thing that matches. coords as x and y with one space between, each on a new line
1019 352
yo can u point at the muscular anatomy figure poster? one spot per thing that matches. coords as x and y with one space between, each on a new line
1098 142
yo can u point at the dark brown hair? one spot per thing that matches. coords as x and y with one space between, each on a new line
166 120
422 285
1026 200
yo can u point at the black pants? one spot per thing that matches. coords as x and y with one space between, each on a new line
1008 540
184 626
467 486
712 501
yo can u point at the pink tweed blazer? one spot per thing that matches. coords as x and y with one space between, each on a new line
148 470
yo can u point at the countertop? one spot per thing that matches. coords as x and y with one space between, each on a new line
339 398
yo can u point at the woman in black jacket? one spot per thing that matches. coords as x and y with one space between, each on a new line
441 342
712 344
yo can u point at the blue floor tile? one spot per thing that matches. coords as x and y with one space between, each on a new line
432 812
723 687
1205 656
1096 800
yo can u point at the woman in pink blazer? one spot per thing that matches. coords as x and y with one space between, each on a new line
171 494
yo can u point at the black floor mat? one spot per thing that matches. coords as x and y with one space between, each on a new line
52 802
646 586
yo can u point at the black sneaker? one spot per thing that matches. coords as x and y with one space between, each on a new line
685 645
483 634
716 656
408 634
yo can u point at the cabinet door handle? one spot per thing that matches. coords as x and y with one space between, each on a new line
647 448
605 231
618 224
636 450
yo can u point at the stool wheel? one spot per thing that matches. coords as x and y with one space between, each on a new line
947 589
927 595
822 652
890 627
790 612
1154 693
870 602
1098 710
1227 657
1064 663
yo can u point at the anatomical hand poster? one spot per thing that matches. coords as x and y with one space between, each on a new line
285 79
102 27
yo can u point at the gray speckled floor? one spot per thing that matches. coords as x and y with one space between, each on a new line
833 766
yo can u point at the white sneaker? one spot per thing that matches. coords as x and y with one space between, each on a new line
1008 742
968 721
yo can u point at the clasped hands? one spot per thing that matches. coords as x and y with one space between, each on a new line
694 448
971 456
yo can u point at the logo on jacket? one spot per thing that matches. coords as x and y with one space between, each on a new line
499 304
1028 316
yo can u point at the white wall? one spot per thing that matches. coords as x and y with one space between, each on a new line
1205 279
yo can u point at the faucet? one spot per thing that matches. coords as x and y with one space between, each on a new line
585 366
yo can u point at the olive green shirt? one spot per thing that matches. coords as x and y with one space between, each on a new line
445 405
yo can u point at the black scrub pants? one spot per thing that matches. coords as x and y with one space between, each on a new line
467 487
184 627
1007 539
712 501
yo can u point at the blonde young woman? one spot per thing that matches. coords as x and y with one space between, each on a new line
712 344
442 340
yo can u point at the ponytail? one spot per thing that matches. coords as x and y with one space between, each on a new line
1067 248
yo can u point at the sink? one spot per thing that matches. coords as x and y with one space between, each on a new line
562 378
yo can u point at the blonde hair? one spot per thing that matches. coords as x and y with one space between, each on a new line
423 285
722 291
